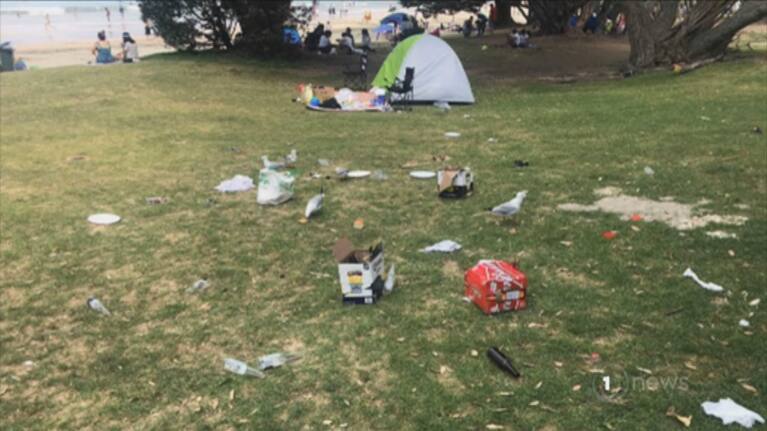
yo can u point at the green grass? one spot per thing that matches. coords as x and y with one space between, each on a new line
165 127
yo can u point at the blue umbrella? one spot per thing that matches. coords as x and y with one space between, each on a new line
395 18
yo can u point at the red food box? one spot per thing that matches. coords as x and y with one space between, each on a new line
496 286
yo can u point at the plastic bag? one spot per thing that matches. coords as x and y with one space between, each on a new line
274 187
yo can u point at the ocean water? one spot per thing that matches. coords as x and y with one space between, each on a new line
26 23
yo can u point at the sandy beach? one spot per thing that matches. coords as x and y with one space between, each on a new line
57 54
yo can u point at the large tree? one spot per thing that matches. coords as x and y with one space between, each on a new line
683 31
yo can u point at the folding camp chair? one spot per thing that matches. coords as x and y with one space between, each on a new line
357 79
404 88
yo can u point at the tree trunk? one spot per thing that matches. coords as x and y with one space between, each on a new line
502 13
660 33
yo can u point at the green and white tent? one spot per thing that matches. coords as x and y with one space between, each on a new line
439 74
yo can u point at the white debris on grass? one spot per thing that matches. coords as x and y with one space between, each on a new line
731 412
238 183
677 215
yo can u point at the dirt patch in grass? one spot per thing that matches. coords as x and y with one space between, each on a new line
679 216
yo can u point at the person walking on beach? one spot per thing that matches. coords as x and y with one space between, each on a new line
102 49
109 14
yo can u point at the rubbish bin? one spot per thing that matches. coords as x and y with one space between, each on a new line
6 57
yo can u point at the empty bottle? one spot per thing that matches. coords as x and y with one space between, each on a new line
501 361
97 306
275 360
241 368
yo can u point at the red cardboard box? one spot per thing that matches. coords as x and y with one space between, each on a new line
496 286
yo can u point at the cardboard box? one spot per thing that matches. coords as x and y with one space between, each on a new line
496 286
455 182
360 272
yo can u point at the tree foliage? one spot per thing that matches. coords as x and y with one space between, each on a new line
683 31
255 26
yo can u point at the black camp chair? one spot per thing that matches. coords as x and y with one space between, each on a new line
357 79
404 88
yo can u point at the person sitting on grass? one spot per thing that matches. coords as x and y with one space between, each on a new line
313 38
102 49
325 46
524 39
468 27
130 49
513 38
347 43
367 43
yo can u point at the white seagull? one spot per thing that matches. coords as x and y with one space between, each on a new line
508 209
314 204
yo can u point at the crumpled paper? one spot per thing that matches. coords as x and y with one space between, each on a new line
731 412
238 183
446 246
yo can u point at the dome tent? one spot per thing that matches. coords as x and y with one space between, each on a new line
439 74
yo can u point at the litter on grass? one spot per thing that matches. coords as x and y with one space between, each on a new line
238 367
706 285
103 218
423 175
676 215
744 323
649 171
452 135
274 187
96 305
455 182
731 412
721 234
360 272
358 174
502 361
496 286
238 183
198 286
446 246
276 360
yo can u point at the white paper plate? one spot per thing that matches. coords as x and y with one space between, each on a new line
423 175
452 134
104 218
358 174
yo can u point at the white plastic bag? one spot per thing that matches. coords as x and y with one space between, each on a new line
274 187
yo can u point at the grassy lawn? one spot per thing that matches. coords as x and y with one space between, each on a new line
177 125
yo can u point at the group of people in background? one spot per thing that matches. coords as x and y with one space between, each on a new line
102 50
320 40
610 25
519 39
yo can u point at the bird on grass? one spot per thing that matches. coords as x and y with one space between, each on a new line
508 209
315 204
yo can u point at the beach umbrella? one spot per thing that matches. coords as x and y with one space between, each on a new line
395 18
